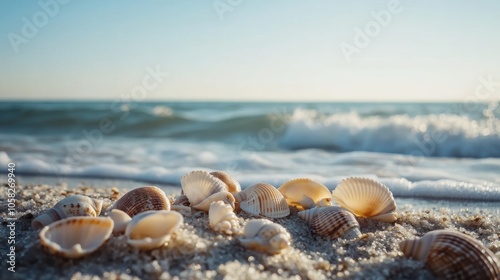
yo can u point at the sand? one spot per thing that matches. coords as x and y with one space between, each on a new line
196 252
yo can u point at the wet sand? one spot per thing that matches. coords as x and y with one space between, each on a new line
196 252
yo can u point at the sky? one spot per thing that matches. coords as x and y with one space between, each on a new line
283 50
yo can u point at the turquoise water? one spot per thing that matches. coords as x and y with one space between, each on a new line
430 150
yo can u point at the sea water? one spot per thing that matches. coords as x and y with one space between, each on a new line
446 151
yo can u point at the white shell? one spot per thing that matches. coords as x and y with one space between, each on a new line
366 198
265 236
453 255
202 189
152 229
306 193
331 221
222 218
76 237
232 185
74 205
142 199
263 199
120 219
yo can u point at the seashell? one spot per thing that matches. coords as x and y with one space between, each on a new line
74 205
76 237
181 200
265 236
306 193
453 255
141 200
263 199
120 219
184 210
152 229
331 221
366 198
232 185
222 218
202 189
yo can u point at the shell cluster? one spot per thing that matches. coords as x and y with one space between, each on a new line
145 217
453 255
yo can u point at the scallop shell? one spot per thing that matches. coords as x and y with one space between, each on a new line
120 219
222 218
263 199
141 200
202 189
232 185
331 221
152 229
366 198
76 237
265 236
74 205
306 193
453 255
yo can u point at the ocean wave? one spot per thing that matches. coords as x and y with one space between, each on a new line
428 135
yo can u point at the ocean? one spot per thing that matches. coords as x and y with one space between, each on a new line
421 151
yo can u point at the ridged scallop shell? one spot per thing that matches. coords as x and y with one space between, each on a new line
141 200
331 221
152 229
222 218
306 193
265 236
76 237
366 198
120 219
232 185
74 205
263 199
453 255
202 189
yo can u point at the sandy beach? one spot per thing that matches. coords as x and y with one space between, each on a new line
196 252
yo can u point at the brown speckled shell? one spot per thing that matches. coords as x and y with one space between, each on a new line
453 255
141 200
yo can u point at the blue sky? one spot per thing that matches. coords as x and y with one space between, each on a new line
261 50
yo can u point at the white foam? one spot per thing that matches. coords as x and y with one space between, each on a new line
427 135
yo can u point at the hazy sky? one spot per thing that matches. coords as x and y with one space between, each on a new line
253 50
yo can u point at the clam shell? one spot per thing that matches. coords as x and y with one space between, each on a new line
76 237
232 185
141 200
306 193
199 185
120 219
222 218
181 200
453 255
366 198
263 199
265 236
74 205
331 221
152 229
